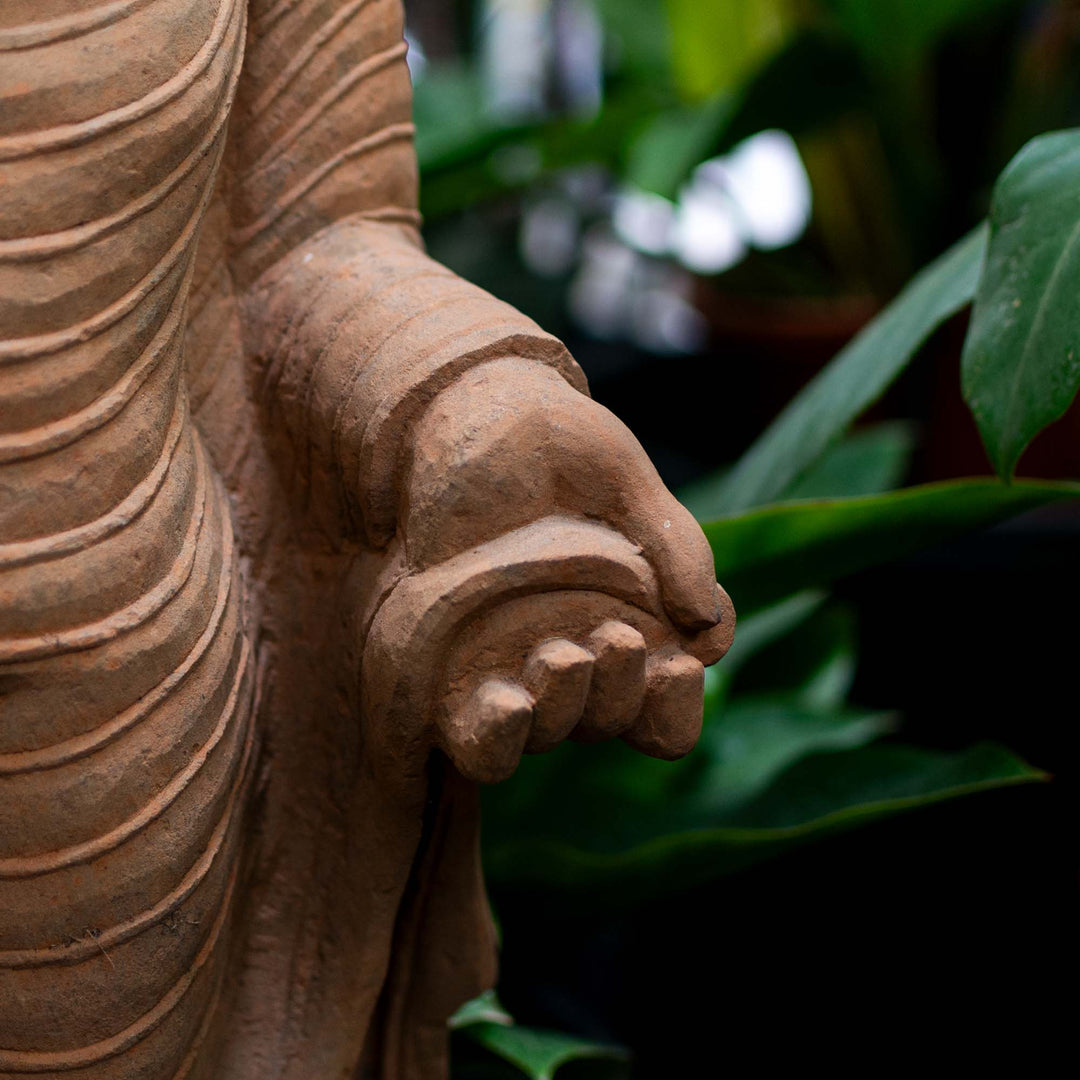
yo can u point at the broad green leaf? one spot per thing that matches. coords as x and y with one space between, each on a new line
820 413
716 45
1021 363
768 553
867 462
757 738
821 795
846 789
538 1054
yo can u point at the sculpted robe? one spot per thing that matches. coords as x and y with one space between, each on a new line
300 537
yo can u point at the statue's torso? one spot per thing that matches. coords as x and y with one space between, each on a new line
126 676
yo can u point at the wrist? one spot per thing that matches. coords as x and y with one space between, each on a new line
356 334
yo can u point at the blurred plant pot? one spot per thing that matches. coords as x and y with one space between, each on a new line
770 347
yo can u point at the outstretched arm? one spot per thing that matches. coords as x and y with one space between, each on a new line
427 420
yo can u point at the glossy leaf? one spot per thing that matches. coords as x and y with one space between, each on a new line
742 795
1021 363
768 553
749 744
860 373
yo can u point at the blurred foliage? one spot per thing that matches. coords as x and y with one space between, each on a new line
785 756
862 84
700 67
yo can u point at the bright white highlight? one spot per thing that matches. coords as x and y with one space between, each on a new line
757 196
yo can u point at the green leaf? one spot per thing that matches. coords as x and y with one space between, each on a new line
820 413
538 1054
825 793
1021 362
768 553
629 827
757 738
868 462
617 828
819 796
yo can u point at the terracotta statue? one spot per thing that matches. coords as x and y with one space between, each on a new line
301 536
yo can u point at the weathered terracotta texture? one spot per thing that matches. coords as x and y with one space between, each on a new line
291 519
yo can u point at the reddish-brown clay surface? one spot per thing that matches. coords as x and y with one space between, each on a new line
300 537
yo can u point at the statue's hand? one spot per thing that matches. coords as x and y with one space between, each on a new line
526 575
552 587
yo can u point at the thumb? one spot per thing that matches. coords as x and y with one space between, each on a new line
675 545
